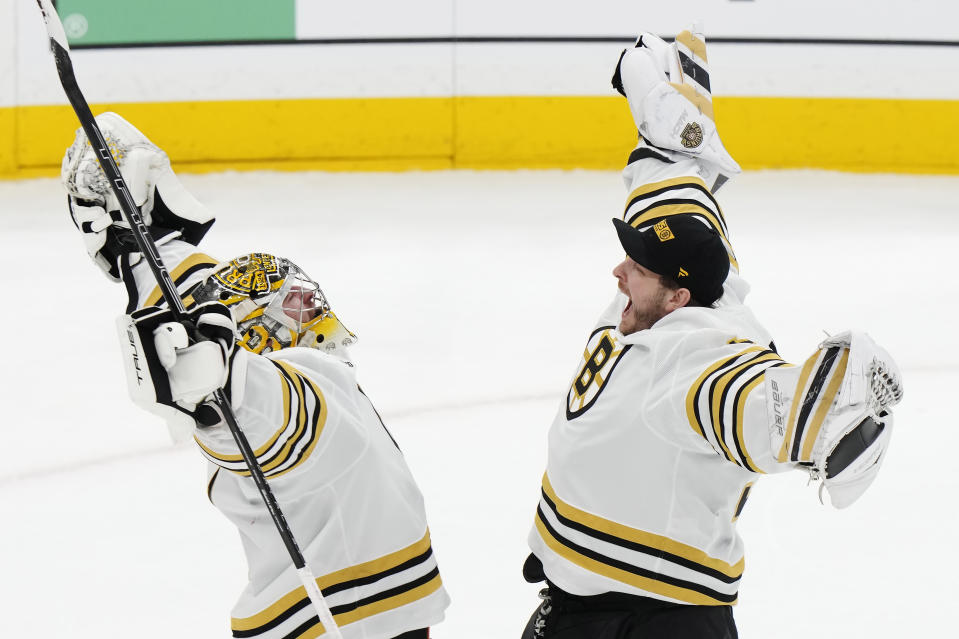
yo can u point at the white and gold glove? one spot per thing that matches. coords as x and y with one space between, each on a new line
173 366
833 415
668 89
167 208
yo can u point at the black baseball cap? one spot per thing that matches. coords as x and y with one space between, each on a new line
682 247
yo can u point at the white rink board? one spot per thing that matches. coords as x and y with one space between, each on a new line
243 73
469 334
213 73
753 70
883 19
9 41
374 19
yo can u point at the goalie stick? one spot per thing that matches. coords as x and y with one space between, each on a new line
61 54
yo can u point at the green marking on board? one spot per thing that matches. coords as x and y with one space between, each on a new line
152 21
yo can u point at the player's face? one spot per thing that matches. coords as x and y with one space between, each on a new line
302 304
649 300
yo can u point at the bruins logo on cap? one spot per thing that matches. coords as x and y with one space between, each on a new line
692 135
663 232
682 272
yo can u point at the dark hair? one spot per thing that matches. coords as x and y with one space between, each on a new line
673 284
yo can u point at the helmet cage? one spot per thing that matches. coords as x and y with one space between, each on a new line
275 304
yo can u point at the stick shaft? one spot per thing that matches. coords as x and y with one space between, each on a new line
128 207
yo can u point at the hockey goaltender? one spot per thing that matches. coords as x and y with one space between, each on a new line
261 329
680 402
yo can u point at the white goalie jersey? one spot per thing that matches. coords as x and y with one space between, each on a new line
339 478
652 457
663 432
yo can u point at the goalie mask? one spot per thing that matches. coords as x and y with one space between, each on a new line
275 305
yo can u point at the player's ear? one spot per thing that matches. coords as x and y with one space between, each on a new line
678 299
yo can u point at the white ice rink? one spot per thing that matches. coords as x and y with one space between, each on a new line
473 294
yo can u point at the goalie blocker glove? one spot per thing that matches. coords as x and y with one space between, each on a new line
669 94
167 208
833 415
172 366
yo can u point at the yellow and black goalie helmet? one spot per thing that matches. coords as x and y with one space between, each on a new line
275 305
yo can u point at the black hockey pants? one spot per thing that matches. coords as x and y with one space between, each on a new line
615 615
620 616
422 633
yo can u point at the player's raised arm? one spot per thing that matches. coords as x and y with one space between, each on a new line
679 161
176 220
669 94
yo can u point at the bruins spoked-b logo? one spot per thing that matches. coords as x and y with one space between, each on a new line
663 232
692 135
600 357
252 274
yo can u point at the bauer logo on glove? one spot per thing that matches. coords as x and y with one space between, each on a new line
833 415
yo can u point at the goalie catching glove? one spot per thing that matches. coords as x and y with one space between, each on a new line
172 366
668 89
833 415
167 209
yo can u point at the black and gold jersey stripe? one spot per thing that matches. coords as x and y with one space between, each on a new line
683 187
189 267
715 403
818 390
305 413
352 593
637 558
645 151
651 203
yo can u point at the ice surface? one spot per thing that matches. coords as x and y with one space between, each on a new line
472 294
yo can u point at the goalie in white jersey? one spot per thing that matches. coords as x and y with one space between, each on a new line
277 350
680 401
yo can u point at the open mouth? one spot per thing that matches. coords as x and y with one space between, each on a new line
629 305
